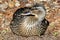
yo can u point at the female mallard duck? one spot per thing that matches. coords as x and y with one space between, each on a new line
29 21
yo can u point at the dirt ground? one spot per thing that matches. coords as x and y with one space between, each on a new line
8 7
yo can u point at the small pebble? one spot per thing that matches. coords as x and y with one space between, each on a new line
3 6
28 5
11 4
17 4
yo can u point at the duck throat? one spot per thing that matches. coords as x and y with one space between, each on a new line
30 22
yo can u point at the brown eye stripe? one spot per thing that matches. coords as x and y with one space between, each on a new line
36 11
33 8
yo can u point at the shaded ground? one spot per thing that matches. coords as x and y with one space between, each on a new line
7 9
15 37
